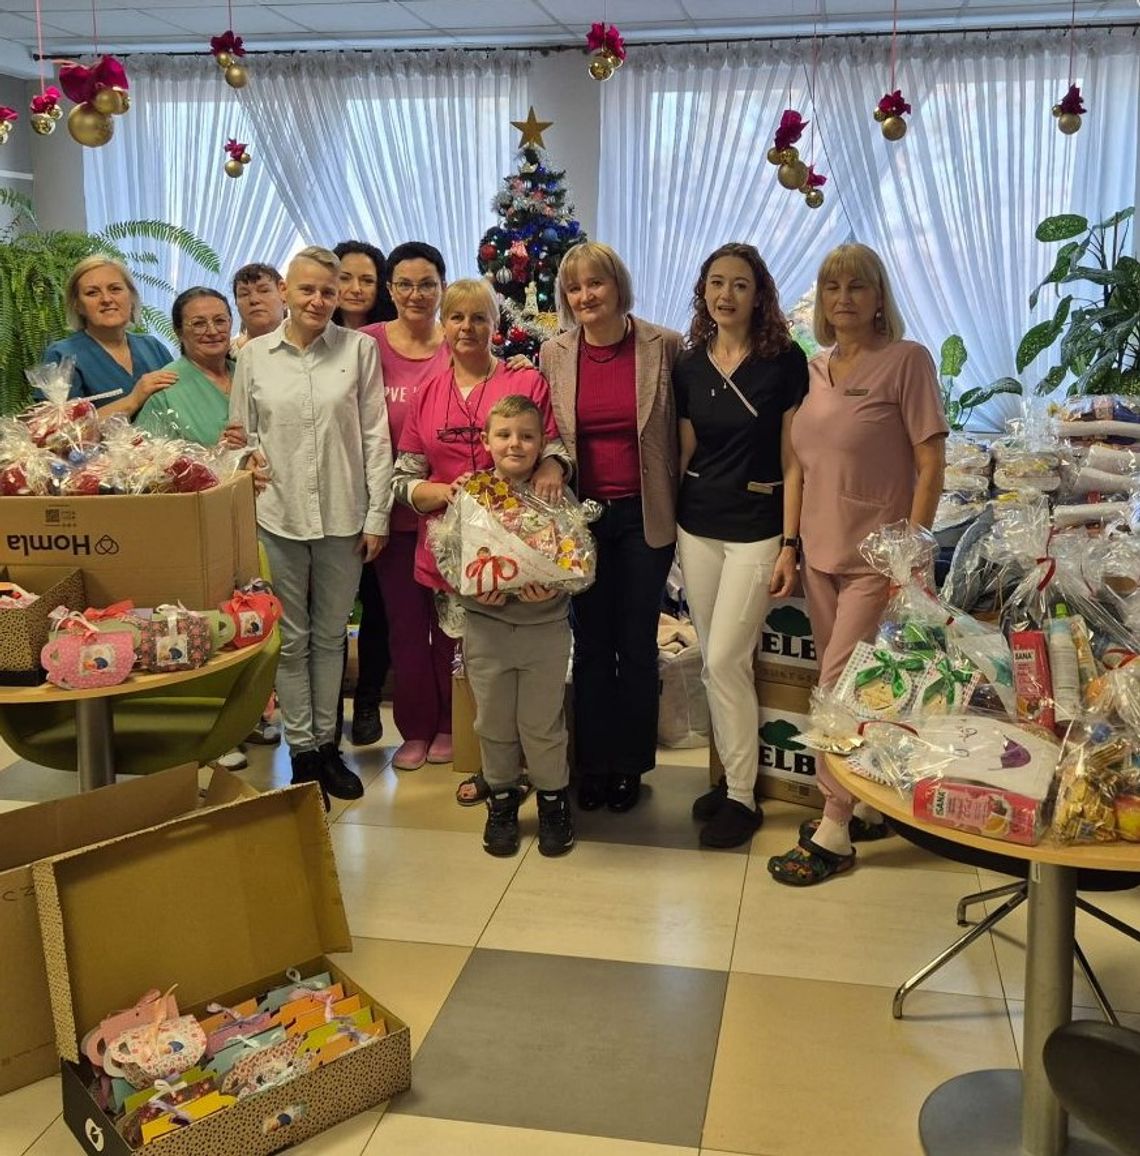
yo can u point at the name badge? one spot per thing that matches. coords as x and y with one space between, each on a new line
856 392
761 487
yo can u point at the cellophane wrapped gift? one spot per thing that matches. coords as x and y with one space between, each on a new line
60 423
25 467
1098 786
498 536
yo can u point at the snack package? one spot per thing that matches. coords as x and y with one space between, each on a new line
497 536
1101 417
59 423
1097 766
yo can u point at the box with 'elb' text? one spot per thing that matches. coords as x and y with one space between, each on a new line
785 650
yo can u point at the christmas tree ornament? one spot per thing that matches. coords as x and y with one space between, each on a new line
488 252
89 127
889 112
228 50
46 112
793 175
532 129
812 188
503 276
1070 110
606 43
791 171
813 198
236 76
238 157
8 117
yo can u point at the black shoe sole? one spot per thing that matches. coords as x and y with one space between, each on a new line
501 852
346 792
554 852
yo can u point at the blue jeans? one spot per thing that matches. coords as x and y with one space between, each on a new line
616 684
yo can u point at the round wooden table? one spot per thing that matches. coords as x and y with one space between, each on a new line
1007 1111
94 719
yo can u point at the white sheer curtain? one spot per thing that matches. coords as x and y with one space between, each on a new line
389 147
685 134
952 207
166 163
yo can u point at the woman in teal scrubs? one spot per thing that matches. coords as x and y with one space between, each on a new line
117 369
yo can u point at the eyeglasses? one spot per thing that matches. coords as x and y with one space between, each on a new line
202 325
424 288
464 435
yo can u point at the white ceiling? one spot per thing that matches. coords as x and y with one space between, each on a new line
172 25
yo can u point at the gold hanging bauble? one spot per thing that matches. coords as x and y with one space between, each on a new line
90 127
105 101
224 59
601 67
894 127
236 76
879 115
774 155
791 176
234 168
789 156
1069 122
6 128
55 112
43 123
1057 110
813 198
245 158
122 101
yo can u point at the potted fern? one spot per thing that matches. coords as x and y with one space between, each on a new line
35 265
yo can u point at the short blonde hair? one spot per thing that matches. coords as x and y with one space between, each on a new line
513 405
75 318
326 258
602 258
856 260
470 289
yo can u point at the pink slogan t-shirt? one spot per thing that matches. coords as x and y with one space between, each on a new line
855 442
437 406
403 377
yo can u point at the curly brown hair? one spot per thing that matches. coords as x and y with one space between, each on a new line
769 332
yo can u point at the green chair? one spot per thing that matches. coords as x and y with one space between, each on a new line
190 722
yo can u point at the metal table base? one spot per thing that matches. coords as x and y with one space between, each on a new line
93 734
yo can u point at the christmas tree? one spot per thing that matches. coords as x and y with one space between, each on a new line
520 256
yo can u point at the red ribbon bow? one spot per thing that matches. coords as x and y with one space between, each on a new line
1050 565
609 39
815 180
1072 101
46 101
81 83
893 104
502 569
116 610
9 115
236 149
791 128
227 42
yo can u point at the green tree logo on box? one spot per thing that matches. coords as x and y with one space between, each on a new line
780 749
787 634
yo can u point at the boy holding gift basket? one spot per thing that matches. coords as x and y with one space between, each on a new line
516 639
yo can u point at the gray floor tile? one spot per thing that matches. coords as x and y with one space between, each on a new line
572 1045
661 817
31 783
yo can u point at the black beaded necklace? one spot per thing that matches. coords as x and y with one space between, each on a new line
584 349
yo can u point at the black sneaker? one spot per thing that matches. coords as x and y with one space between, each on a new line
733 825
555 825
339 781
308 767
501 832
706 807
366 725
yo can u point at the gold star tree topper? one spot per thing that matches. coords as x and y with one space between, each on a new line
532 129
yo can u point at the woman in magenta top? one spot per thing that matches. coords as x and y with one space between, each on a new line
440 440
412 351
869 444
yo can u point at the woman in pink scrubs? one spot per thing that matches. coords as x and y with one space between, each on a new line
440 441
869 444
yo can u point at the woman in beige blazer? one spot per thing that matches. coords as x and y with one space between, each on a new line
611 391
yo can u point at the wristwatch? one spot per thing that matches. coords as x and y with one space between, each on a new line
795 543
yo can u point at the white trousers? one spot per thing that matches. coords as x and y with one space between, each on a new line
726 586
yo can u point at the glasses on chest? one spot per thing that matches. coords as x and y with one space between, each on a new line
464 435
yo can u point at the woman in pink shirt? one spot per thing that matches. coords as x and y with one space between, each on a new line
412 351
869 446
439 440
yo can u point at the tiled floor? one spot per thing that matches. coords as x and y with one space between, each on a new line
641 997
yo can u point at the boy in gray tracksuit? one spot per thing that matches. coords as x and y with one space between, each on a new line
516 648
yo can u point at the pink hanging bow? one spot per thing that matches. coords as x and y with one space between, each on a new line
109 613
815 180
893 104
8 115
80 83
227 42
236 149
46 100
1072 101
601 37
791 128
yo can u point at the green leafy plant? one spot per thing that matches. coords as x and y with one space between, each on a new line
959 405
1098 328
35 265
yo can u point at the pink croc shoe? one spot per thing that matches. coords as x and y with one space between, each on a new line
441 750
411 756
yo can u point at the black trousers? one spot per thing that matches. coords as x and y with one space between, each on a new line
372 657
616 685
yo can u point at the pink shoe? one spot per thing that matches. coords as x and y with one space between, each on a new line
411 756
440 750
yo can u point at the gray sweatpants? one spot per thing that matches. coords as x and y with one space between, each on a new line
518 678
316 582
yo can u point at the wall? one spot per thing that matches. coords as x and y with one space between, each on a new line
16 154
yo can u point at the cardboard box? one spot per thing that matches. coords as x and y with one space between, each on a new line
233 897
27 1037
24 633
787 767
785 651
151 548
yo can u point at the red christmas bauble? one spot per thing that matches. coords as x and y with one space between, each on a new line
488 252
496 339
517 333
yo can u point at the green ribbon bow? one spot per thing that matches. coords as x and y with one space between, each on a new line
950 676
890 667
